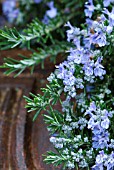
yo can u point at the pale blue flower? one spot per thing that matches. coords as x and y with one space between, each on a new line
8 6
88 70
75 56
52 12
92 106
99 38
105 123
13 15
106 3
37 1
10 10
89 22
110 16
100 140
100 157
103 161
89 8
73 33
99 69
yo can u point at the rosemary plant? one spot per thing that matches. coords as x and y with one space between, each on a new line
82 129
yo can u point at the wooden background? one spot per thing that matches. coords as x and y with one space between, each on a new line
22 142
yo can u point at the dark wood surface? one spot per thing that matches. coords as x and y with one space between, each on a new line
22 141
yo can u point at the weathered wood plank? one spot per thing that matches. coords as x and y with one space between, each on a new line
22 141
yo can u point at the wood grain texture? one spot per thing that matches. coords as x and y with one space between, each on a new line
22 141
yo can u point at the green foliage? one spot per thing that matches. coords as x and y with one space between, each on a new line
37 57
51 95
54 119
11 38
38 103
55 159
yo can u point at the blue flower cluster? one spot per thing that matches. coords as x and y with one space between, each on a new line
83 59
79 73
99 124
11 9
104 159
